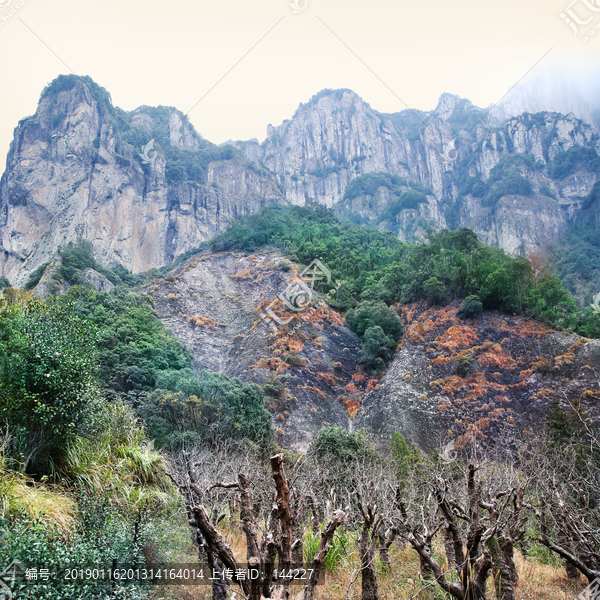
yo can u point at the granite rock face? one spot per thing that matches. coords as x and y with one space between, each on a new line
71 175
514 370
337 137
76 169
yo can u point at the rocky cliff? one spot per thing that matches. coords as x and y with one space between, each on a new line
71 173
337 138
81 168
490 378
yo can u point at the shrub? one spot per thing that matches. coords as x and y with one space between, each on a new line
470 308
375 314
48 361
377 349
210 406
463 364
568 162
434 290
295 360
35 276
341 447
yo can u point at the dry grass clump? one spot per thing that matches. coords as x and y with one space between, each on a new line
20 496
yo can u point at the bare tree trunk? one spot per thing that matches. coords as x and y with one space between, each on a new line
570 568
384 548
284 514
449 548
366 549
250 527
504 572
508 571
324 545
367 564
426 570
298 533
219 588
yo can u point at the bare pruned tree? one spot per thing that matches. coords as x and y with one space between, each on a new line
566 498
274 506
479 512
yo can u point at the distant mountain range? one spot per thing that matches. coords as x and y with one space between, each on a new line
82 168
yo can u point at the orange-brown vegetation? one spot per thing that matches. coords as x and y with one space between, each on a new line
314 390
457 337
495 356
328 377
200 321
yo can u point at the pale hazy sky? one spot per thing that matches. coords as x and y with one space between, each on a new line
172 53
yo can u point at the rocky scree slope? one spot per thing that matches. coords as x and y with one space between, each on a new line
72 173
478 379
337 137
309 368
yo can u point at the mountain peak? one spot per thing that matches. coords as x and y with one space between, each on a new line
448 104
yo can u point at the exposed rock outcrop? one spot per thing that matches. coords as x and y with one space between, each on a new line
70 174
481 379
75 170
337 137
213 303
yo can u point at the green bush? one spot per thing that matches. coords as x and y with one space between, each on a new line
35 276
375 314
48 362
434 290
377 349
470 308
575 158
338 446
4 283
410 199
134 347
506 178
463 364
34 544
368 184
514 184
205 408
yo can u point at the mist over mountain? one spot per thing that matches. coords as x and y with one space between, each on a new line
554 89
